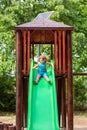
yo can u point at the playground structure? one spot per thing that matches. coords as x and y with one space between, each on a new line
59 37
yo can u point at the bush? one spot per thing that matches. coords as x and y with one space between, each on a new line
80 93
7 93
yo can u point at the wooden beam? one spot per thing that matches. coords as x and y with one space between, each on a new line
51 55
59 99
60 52
1 126
18 80
25 99
63 103
24 51
6 126
12 128
28 53
70 82
64 51
55 50
33 51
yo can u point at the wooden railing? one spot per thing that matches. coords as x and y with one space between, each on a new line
4 126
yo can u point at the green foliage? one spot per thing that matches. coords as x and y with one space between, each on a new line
80 93
14 12
7 93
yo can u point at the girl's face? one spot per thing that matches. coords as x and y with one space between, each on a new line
42 59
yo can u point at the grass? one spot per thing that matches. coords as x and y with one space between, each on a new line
7 114
76 113
80 113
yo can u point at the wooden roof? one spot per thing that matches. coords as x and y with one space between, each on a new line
43 24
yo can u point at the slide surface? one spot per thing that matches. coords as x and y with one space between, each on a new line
42 103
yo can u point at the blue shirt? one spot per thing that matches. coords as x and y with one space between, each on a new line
42 69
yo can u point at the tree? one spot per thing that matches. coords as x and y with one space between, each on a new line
15 12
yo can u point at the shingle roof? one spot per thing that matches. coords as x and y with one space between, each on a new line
43 24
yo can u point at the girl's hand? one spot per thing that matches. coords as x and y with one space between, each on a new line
52 66
35 66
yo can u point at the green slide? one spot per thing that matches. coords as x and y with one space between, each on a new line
42 103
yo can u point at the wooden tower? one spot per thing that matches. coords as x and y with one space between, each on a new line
59 36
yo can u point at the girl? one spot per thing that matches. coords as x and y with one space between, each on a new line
42 71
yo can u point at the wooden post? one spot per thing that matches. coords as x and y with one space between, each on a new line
63 103
33 51
1 126
59 99
24 51
60 52
51 55
57 88
28 53
70 83
18 80
12 128
6 126
55 50
25 100
64 52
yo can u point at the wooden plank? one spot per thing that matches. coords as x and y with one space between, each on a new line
24 51
63 103
6 126
60 52
70 83
1 126
55 50
25 99
12 128
28 53
57 55
18 80
58 103
64 51
59 99
51 55
33 51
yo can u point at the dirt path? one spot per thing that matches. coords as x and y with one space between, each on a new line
79 121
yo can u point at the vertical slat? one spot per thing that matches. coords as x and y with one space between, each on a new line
25 95
1 126
70 83
12 128
6 126
64 51
57 88
18 80
63 103
59 99
51 56
22 105
57 54
60 52
33 51
28 53
55 50
24 52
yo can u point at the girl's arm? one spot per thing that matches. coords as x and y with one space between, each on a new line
35 66
50 64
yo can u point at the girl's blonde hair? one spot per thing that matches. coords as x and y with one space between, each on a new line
43 57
